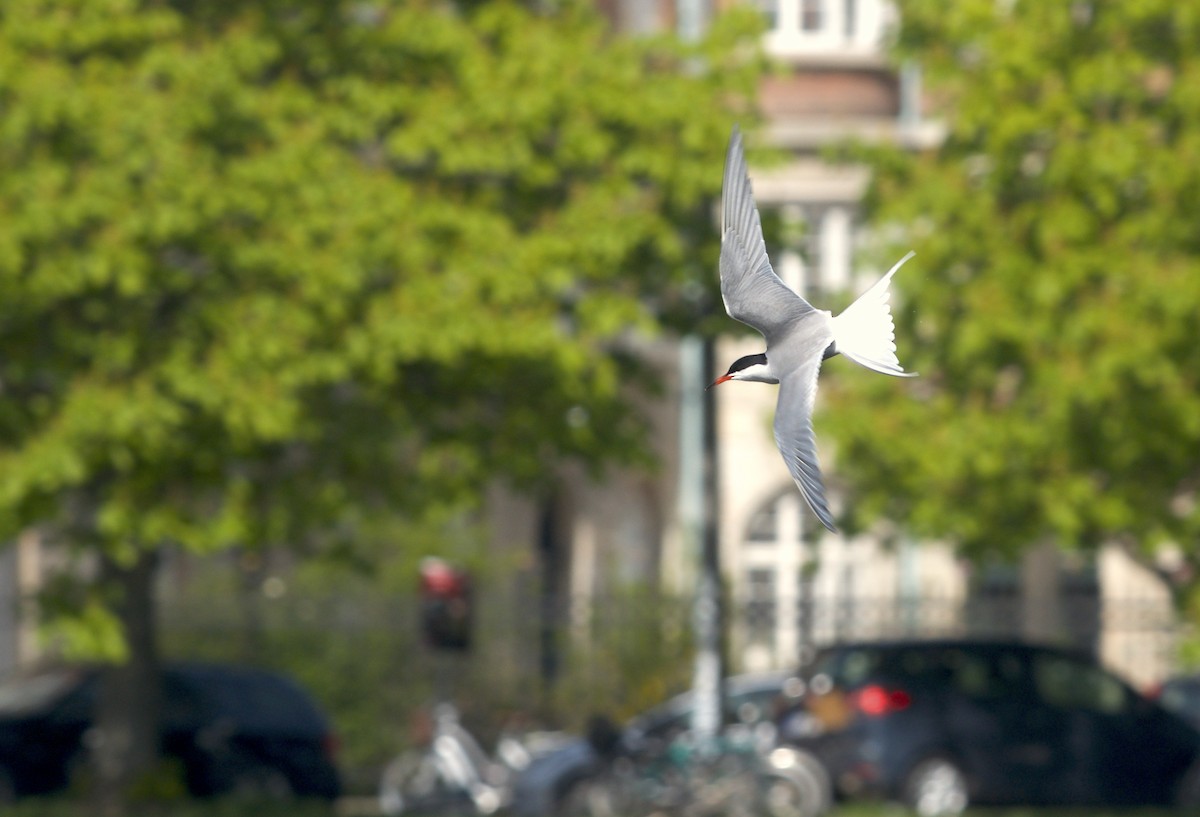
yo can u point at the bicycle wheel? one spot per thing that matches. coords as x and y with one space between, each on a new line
726 786
413 783
599 796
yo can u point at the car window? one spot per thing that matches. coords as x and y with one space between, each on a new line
1183 698
1071 684
848 667
19 696
979 673
985 675
857 666
923 665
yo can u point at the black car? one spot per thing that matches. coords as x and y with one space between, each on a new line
940 725
233 730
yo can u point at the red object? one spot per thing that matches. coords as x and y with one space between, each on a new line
446 608
332 745
876 700
441 579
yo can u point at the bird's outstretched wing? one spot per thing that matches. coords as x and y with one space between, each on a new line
752 292
794 435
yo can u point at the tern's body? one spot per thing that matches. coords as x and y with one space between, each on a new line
798 336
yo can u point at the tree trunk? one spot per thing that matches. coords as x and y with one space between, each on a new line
251 569
125 743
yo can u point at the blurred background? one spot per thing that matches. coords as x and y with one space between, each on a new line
295 295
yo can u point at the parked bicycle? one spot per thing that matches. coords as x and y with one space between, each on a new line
729 776
453 774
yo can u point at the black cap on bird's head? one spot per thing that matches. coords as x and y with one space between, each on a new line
742 366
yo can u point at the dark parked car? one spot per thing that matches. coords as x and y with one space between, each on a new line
940 725
234 730
543 787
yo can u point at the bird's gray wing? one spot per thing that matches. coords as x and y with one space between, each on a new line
794 435
752 292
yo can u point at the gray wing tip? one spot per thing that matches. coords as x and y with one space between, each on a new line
807 476
825 519
818 507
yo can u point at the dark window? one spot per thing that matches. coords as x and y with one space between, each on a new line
763 525
812 15
985 676
760 607
851 667
1069 684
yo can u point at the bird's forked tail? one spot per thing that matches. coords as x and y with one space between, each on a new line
865 332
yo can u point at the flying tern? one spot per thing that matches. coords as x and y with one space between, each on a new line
798 335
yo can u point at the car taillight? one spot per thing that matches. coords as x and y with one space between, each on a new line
876 700
331 745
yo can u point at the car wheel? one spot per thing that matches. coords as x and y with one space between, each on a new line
788 796
936 787
797 786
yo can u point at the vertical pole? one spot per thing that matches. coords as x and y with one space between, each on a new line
690 505
699 485
709 611
550 605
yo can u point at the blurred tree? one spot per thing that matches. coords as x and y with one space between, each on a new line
273 271
1051 306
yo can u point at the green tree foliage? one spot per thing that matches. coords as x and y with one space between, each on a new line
270 269
1051 307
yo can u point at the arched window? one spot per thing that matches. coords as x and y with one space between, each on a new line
775 581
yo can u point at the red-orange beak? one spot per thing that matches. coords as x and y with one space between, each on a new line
718 381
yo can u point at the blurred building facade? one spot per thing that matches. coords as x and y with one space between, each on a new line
792 584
